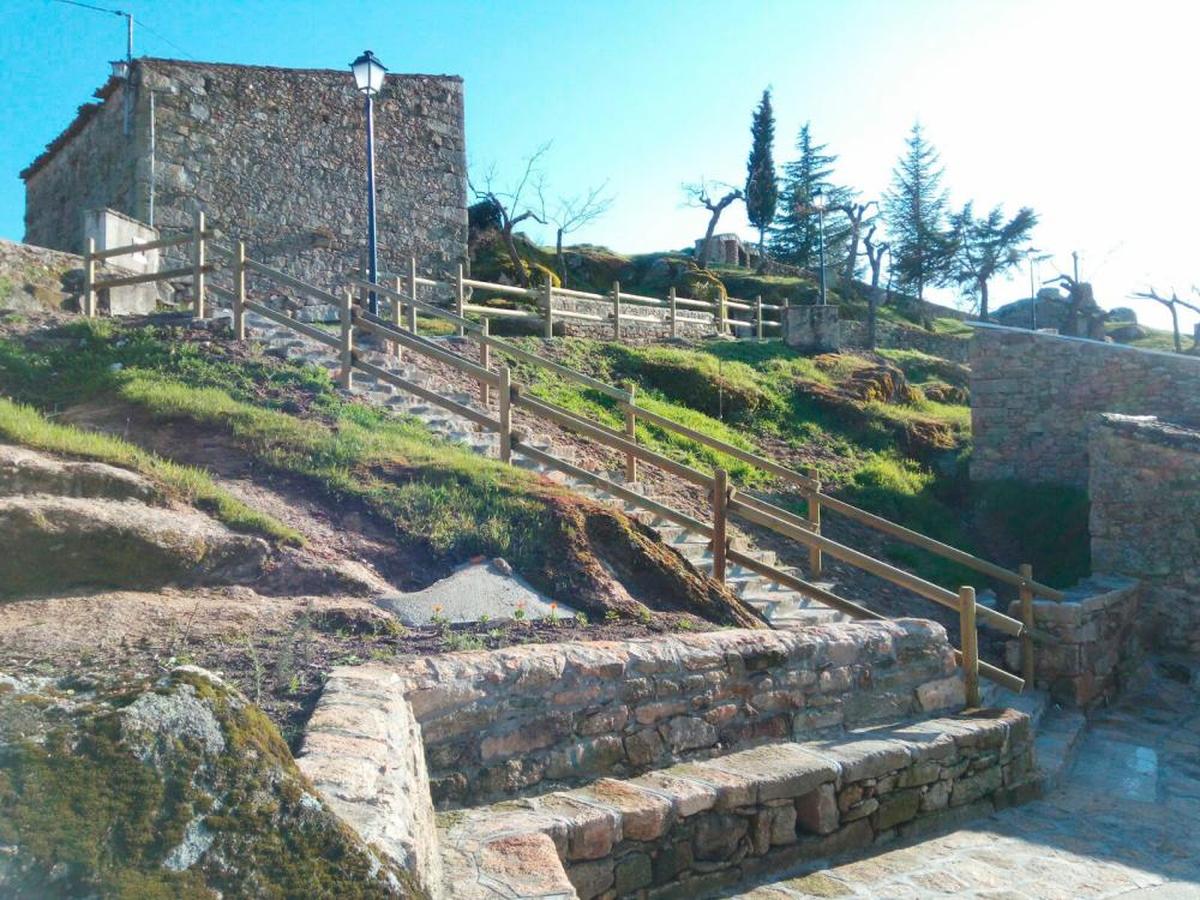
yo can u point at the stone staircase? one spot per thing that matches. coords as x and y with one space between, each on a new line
780 606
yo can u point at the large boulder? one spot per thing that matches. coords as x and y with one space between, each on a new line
173 788
26 472
58 543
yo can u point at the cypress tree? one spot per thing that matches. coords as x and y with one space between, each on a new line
762 189
915 207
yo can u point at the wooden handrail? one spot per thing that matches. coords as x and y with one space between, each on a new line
147 277
276 316
157 244
295 283
390 332
934 546
425 394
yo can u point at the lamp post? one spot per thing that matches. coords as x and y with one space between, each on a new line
368 78
818 203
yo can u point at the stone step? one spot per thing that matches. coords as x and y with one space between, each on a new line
696 828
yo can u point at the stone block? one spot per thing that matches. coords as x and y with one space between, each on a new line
897 807
645 815
817 812
812 329
591 879
718 835
778 771
633 872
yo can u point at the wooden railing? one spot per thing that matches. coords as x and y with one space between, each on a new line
398 331
197 237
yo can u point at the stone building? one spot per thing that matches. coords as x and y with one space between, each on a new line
273 156
728 250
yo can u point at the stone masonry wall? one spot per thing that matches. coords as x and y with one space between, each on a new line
895 337
1094 640
533 718
1144 486
274 156
1034 398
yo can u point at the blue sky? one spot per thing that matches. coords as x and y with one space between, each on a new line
1072 108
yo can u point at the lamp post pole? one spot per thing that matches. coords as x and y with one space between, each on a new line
372 251
818 201
368 78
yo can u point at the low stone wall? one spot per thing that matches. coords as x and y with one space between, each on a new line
34 279
1094 642
698 829
534 718
1144 485
1035 397
897 337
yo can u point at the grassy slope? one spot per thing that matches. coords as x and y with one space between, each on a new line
446 503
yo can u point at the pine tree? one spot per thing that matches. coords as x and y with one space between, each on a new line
916 215
762 189
794 237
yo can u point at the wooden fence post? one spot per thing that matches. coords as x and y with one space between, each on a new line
720 497
239 291
548 302
1027 663
412 294
505 404
87 303
631 470
460 299
673 314
198 264
815 562
485 360
758 316
397 316
616 310
722 315
347 346
969 638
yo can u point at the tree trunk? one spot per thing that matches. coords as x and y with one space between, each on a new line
851 256
1175 328
704 249
983 300
873 306
762 257
519 264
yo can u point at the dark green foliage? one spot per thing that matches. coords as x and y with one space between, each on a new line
762 189
794 237
915 207
985 247
1045 525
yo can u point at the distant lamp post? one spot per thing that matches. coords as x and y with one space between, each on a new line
368 78
818 203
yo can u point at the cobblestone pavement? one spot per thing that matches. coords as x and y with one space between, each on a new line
1125 821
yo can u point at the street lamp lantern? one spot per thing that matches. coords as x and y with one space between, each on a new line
368 73
818 203
368 78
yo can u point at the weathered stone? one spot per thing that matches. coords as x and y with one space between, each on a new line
645 816
591 879
685 733
897 807
632 873
817 812
718 835
779 770
645 747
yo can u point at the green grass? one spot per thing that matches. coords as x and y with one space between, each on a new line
26 426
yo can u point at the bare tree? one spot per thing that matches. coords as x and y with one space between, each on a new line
857 214
512 205
698 195
572 213
875 255
1172 303
1079 297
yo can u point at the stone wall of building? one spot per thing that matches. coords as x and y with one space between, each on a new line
1034 398
273 156
897 337
1144 485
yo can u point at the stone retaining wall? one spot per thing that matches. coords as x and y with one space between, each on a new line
897 337
534 718
1144 485
695 830
1094 644
1034 398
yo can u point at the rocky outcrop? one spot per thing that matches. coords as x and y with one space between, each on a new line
178 787
34 279
57 543
26 472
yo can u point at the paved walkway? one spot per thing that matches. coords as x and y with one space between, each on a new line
1125 822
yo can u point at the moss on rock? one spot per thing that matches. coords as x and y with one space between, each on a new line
176 788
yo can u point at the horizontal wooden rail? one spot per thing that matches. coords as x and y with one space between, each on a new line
147 277
584 317
582 295
614 488
390 332
1014 683
497 312
293 282
728 449
934 546
604 436
907 580
772 510
283 319
425 394
158 244
800 586
500 288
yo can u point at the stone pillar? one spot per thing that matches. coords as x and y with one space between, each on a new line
110 229
812 329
